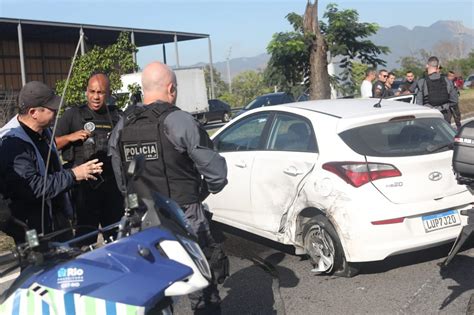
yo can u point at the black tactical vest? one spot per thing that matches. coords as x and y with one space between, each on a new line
167 171
437 92
96 145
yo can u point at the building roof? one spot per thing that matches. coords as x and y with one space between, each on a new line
95 34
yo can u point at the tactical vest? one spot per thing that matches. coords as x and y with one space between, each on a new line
437 92
167 171
96 145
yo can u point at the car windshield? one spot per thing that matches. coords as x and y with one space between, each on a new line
258 102
396 138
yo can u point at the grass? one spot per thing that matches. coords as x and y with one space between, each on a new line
466 103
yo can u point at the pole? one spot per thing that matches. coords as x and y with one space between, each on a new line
228 70
22 56
176 49
83 45
211 68
132 39
164 54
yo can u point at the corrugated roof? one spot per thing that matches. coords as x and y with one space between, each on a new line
95 34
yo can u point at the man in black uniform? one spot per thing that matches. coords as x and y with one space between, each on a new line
436 91
82 135
180 161
24 149
378 89
456 113
409 85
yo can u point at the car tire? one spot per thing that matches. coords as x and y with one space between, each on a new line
324 248
225 117
203 120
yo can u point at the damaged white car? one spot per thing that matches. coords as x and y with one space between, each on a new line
343 181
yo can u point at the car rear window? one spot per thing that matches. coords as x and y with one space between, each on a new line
405 137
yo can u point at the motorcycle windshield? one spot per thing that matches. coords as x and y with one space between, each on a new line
165 212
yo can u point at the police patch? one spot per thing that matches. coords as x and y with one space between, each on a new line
148 149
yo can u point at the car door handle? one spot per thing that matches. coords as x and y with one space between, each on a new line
293 171
241 164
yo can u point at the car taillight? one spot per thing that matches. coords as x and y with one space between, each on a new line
389 221
360 173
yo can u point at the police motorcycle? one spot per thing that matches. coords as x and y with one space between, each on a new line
463 166
154 259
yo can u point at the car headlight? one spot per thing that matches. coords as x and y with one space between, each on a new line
197 255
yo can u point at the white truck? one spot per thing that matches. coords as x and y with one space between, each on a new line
192 92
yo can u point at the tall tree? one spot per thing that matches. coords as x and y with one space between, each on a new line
313 41
113 60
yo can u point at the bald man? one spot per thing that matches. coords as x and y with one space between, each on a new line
82 135
180 162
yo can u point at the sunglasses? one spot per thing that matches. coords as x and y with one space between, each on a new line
385 76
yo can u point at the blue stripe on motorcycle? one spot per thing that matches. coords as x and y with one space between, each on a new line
69 304
110 308
45 308
16 303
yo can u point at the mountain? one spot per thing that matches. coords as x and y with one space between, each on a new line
443 38
407 42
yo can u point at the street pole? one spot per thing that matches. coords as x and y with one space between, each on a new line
228 71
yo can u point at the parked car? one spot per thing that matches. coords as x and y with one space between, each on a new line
218 110
343 181
268 100
469 82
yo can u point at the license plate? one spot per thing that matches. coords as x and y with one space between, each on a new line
441 220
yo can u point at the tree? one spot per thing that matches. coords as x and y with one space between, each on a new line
114 60
301 56
246 86
220 87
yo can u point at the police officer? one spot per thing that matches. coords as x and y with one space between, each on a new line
82 135
180 161
409 85
24 150
436 90
379 89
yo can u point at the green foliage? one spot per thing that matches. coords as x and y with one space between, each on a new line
113 60
411 63
245 87
463 66
220 87
358 75
289 63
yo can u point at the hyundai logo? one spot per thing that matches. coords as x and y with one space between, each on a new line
435 176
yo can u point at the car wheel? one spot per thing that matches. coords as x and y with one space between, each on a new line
203 119
325 250
225 117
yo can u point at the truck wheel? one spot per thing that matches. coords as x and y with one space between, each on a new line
225 117
325 250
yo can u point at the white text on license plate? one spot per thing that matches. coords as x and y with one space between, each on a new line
441 220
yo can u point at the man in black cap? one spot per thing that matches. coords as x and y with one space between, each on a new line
28 178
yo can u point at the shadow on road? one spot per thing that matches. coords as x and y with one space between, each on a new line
262 295
465 281
408 259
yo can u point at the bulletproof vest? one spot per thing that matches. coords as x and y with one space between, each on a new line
96 145
437 92
166 171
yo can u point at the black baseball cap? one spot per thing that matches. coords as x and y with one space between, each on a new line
38 94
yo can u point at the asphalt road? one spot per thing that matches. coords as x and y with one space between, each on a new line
266 278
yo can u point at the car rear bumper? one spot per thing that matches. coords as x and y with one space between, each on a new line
363 241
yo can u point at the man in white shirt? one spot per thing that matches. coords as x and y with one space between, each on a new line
366 87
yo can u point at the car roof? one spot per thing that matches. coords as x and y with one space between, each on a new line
355 108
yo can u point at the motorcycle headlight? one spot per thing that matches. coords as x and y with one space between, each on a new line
197 255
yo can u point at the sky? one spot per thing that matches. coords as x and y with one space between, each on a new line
237 28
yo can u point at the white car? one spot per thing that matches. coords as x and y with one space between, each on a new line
343 181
